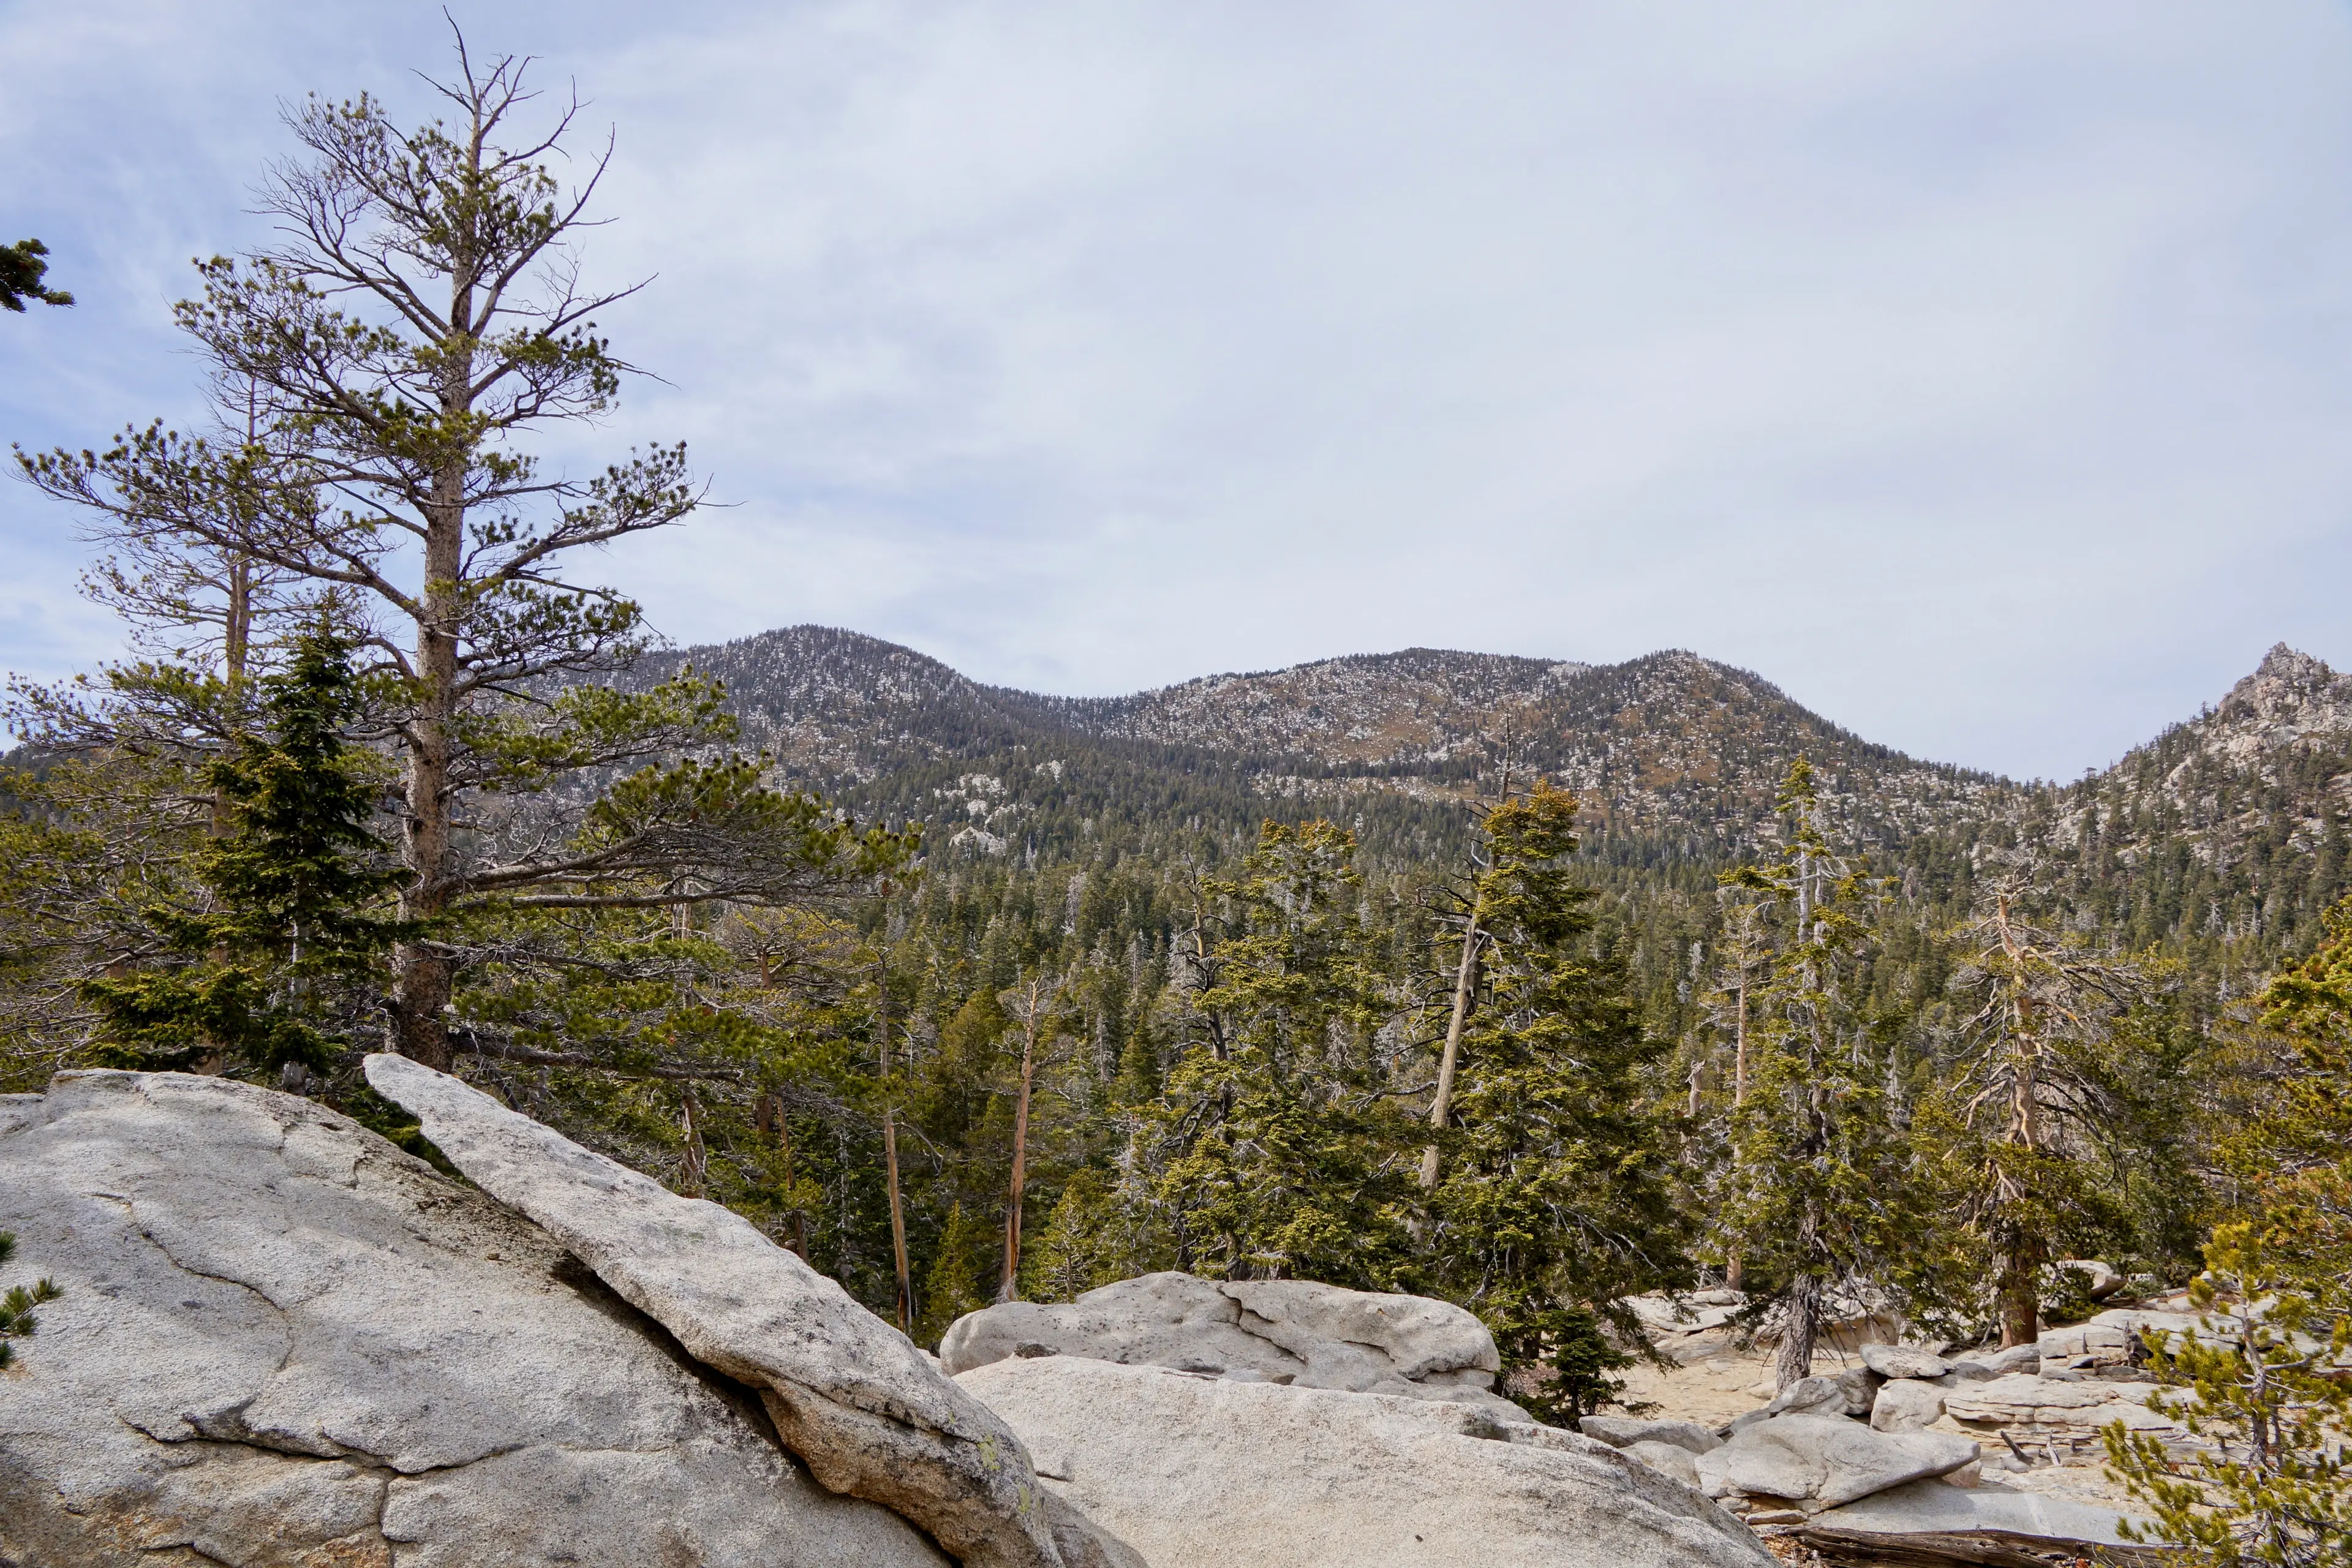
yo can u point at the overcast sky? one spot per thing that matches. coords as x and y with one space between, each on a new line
1980 373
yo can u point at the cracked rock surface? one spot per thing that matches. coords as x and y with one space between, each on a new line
1197 1471
849 1394
285 1342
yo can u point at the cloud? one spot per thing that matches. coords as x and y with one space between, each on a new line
1976 372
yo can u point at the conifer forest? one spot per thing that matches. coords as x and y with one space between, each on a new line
1533 986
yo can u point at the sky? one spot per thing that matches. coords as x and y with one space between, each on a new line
1979 374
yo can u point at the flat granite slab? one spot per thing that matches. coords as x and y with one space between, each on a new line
1930 1521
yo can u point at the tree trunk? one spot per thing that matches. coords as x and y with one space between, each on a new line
1734 1274
422 987
898 1226
1465 982
1009 1289
2020 1250
697 1160
1802 1301
421 990
1739 1041
890 1168
2018 1288
768 1116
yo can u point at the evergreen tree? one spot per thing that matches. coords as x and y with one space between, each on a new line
283 966
1286 1154
1554 1205
2262 1385
22 267
16 1306
421 315
1819 1196
2266 1381
2041 1093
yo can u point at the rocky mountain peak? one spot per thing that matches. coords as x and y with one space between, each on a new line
2292 689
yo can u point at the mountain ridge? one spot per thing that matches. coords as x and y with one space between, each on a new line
2229 824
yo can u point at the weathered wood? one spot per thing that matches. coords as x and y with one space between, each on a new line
1975 1548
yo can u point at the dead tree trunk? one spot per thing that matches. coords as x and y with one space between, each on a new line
890 1167
1465 980
1009 1287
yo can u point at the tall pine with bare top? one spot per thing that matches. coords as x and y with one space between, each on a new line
421 314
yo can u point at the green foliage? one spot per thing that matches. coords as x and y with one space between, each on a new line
1081 1244
1574 1358
22 267
2266 1390
1280 1137
2269 1383
1821 1191
275 968
1555 1203
2055 1089
16 1320
953 1287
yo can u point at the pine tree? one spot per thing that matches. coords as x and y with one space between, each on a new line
1285 1153
1819 1196
16 1306
286 961
2265 1382
952 1288
2037 1097
420 315
22 267
1554 1207
2262 1384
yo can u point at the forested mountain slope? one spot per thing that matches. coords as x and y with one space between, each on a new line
2227 830
1670 746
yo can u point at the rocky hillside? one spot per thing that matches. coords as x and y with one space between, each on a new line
2229 825
1670 745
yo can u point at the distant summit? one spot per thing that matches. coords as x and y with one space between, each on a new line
2227 824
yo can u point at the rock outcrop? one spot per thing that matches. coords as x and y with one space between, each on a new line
1819 1461
851 1396
1198 1471
2100 1280
2055 1415
283 1344
1698 1325
2111 1337
1964 1524
1907 1404
1904 1360
1289 1332
1624 1431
